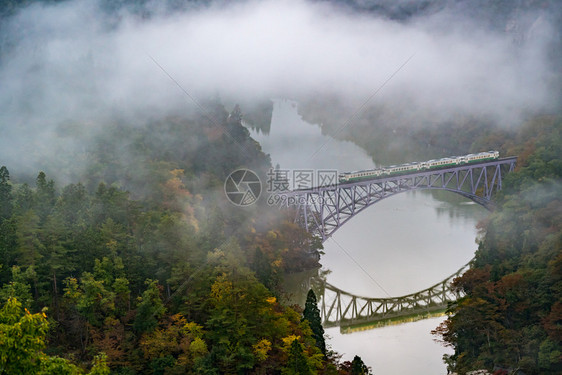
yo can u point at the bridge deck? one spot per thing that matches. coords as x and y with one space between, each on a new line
428 172
324 209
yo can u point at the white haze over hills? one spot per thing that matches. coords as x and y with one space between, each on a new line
73 66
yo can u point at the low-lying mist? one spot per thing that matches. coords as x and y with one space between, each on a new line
73 65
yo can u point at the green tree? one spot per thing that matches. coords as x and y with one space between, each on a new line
264 272
59 259
19 287
45 196
311 314
22 341
509 317
297 363
22 337
8 247
7 224
235 297
72 206
150 308
358 367
30 246
6 198
23 199
182 341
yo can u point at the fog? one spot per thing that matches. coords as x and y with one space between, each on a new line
74 63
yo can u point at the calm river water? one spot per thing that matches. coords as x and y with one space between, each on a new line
404 244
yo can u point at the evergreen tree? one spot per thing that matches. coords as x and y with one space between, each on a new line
297 363
311 313
23 199
5 194
8 241
44 196
8 248
358 367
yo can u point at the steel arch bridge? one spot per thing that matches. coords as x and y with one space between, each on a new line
324 209
346 310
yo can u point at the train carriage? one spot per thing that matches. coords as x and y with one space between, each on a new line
417 166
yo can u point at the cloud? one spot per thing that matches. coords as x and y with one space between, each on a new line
72 62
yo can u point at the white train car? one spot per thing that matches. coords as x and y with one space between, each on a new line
418 166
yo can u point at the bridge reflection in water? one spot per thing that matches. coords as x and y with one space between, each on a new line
324 209
351 312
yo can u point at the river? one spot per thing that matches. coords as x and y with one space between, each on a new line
398 246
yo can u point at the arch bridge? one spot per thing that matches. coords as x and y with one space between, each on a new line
324 209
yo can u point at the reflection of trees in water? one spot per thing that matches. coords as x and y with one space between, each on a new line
257 116
457 208
296 285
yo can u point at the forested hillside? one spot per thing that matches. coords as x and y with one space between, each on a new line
511 316
142 264
119 252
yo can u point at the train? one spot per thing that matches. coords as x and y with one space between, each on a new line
417 166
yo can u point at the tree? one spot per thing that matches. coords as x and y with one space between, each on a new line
19 287
8 247
73 205
30 247
44 196
263 269
23 199
150 308
5 194
177 338
297 363
22 337
96 301
358 367
509 317
22 340
311 314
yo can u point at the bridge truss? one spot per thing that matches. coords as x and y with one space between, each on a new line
323 210
343 309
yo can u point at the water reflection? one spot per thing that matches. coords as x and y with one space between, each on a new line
403 244
400 245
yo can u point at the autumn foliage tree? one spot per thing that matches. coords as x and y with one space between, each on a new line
510 314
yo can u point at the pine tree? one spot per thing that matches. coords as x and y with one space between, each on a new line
311 313
5 194
45 196
358 367
297 363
